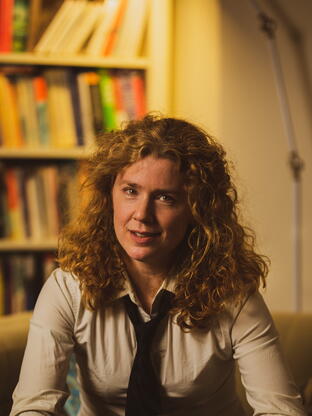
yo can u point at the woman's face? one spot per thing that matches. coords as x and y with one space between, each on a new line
151 214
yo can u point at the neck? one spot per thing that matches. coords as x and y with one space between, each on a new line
146 282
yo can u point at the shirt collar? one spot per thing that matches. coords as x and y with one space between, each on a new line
168 284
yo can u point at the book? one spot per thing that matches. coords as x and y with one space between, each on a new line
76 106
27 110
138 88
32 201
120 111
66 30
63 202
18 295
105 25
2 289
20 25
82 28
6 267
60 109
54 28
31 282
6 25
41 13
127 94
41 104
15 210
5 229
88 131
20 173
113 34
49 175
108 103
43 203
93 81
9 120
31 113
130 36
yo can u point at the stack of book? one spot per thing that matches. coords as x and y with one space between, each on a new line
35 202
21 277
98 27
65 108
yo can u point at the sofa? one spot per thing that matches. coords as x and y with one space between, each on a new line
295 333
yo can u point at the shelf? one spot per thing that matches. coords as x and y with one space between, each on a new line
27 58
27 245
44 153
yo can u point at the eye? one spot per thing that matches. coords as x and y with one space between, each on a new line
129 191
166 199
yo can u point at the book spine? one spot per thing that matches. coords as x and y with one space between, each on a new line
14 205
6 25
20 25
138 88
9 117
113 34
107 100
86 110
41 104
74 93
2 289
5 226
93 81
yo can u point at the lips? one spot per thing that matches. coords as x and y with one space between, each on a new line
144 234
143 237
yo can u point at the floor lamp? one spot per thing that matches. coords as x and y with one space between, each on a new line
269 26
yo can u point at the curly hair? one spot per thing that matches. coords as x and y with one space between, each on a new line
217 261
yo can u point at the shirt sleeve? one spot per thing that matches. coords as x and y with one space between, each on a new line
270 389
41 389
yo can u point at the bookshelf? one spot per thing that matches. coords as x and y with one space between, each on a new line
155 64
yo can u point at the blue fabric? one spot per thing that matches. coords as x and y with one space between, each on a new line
72 404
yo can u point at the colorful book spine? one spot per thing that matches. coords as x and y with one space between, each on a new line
6 25
20 25
41 103
10 127
93 81
108 100
14 204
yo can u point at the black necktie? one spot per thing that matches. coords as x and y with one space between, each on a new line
144 389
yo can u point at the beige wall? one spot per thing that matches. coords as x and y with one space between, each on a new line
223 80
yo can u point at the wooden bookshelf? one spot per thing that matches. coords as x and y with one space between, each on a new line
12 246
45 153
156 65
83 61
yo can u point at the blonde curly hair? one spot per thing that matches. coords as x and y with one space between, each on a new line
217 262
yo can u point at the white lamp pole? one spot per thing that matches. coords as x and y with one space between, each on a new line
268 26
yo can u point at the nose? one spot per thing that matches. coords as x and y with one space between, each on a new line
144 211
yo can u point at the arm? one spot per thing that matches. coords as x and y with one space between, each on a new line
269 387
41 389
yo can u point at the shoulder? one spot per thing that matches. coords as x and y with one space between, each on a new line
250 305
63 281
62 284
247 312
59 298
250 322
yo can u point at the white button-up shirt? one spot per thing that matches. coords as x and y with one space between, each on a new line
196 368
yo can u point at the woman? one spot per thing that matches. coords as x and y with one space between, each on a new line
162 219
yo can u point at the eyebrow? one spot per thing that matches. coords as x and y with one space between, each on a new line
156 191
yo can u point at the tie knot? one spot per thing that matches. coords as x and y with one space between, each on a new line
163 308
